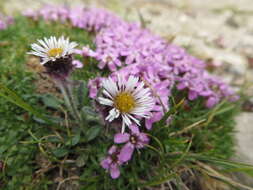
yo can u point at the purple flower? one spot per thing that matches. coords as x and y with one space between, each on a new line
211 101
155 117
54 13
77 64
112 162
5 21
30 14
135 139
94 85
87 52
77 17
110 59
3 25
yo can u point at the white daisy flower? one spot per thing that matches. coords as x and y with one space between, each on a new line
128 98
51 49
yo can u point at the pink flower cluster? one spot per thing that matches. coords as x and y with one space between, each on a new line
118 156
126 49
49 12
91 19
5 21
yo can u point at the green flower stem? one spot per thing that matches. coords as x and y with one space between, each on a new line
73 101
68 100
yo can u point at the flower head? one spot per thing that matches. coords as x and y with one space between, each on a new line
135 139
112 162
128 99
5 21
56 55
52 49
77 64
94 85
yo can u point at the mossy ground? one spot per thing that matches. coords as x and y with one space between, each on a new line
37 156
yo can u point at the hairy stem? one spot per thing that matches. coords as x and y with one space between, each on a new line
73 100
68 99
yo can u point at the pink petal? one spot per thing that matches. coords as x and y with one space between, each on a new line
211 101
134 128
101 65
78 51
114 171
192 95
121 138
144 138
156 117
77 64
126 152
234 98
105 163
112 149
181 86
112 66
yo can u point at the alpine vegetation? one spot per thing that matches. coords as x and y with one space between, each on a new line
122 107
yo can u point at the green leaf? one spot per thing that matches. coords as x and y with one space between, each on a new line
51 101
226 164
75 140
92 133
82 92
172 111
15 99
60 152
88 111
80 161
159 181
54 139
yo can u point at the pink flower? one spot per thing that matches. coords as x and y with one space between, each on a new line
5 21
112 162
77 17
110 59
211 101
31 14
87 52
94 85
135 139
3 25
54 13
77 64
157 116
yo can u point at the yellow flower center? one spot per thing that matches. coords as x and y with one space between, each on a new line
54 52
124 102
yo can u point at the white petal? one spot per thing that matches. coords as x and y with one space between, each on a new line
113 114
131 83
134 119
105 101
107 94
126 120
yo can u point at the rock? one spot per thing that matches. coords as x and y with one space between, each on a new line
244 148
244 129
